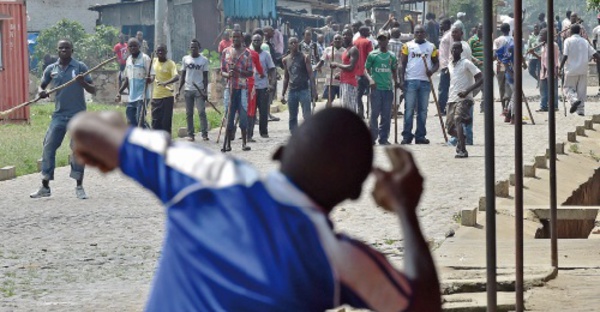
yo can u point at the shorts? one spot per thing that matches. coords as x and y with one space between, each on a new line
335 92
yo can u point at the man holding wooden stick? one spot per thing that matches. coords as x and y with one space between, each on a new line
68 102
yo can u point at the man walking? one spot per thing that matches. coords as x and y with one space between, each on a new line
445 54
465 77
332 80
503 85
533 64
263 86
381 66
236 66
68 102
142 42
120 50
574 66
364 47
164 73
416 84
544 73
349 70
137 69
299 79
194 75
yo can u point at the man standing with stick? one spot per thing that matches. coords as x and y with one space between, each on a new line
137 69
415 77
164 72
194 70
68 102
330 55
381 67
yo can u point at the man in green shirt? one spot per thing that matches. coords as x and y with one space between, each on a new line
533 61
381 66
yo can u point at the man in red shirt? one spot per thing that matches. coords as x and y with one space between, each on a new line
349 67
120 50
251 97
364 46
225 43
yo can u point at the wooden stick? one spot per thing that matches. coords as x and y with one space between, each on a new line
437 105
395 116
329 103
205 95
142 116
528 109
68 83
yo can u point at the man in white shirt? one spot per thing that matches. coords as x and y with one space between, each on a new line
566 23
194 76
574 65
263 86
332 77
445 54
465 77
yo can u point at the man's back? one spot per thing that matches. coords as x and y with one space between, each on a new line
364 47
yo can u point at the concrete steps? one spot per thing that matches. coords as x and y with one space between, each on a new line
477 302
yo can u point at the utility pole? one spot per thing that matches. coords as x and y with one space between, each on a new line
162 33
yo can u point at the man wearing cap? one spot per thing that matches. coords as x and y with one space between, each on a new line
381 67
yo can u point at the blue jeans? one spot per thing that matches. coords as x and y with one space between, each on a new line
534 68
296 98
238 96
133 112
416 96
544 94
54 137
381 104
193 98
444 89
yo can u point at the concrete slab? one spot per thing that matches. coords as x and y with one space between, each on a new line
475 302
8 173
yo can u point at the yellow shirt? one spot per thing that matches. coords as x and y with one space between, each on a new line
163 71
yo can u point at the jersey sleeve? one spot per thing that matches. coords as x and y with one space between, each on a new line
472 68
82 70
46 76
169 169
405 49
434 53
173 69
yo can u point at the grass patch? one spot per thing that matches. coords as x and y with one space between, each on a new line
21 144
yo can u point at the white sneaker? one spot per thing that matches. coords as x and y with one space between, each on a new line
42 192
80 192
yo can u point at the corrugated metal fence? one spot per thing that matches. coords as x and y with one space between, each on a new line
250 9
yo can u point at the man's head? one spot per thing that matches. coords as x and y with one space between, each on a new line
316 157
574 18
237 39
161 52
541 16
543 35
368 22
575 28
293 44
307 35
420 33
356 26
457 34
364 31
347 36
428 16
65 49
536 29
460 15
395 33
247 40
337 41
121 38
328 20
257 42
140 36
258 31
268 32
335 27
320 38
480 31
133 46
445 24
383 38
505 28
569 14
226 35
195 47
456 50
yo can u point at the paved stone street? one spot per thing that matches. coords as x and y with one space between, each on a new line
62 254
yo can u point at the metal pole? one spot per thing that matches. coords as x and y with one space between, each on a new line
552 133
490 194
518 119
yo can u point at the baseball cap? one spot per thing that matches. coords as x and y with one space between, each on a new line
383 33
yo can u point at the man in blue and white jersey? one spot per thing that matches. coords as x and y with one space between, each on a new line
236 241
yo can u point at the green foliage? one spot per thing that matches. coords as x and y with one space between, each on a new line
473 9
88 48
213 57
593 5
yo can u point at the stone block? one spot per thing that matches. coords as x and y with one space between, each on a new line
529 171
482 203
468 217
511 179
596 118
571 136
501 188
540 162
588 124
182 132
39 165
8 173
547 155
560 148
275 109
580 130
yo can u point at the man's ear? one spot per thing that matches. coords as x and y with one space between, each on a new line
278 153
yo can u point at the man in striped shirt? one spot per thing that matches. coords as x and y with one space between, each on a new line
236 241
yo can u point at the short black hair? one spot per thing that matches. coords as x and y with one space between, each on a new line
569 14
505 28
575 28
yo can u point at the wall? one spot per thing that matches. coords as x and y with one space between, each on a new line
106 82
43 14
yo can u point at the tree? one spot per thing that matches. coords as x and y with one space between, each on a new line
593 5
473 10
65 29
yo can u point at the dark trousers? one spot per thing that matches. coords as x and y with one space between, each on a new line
162 113
363 89
262 104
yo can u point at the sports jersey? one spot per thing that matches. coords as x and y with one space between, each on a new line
194 68
415 67
380 65
236 241
163 71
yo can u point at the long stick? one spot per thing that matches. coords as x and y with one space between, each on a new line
437 105
142 117
562 90
329 103
205 95
226 117
528 109
395 116
68 83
